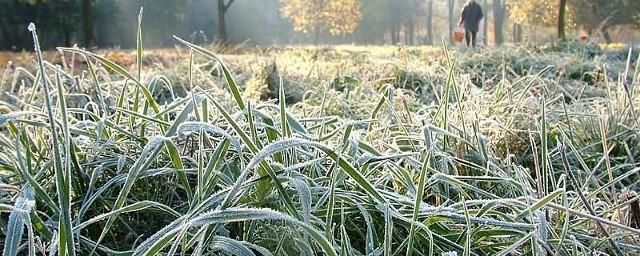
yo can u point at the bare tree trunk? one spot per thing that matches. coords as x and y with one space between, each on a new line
485 24
410 31
430 22
517 33
397 25
605 33
498 21
406 32
66 22
87 23
6 21
561 23
4 35
222 23
393 23
451 5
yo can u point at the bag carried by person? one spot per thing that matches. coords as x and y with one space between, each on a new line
458 35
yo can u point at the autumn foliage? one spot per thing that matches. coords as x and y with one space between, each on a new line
338 17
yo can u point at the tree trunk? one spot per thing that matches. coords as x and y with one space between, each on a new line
517 33
410 30
66 23
485 24
397 35
406 32
5 42
451 5
498 21
87 23
393 22
605 33
222 24
396 23
392 32
561 14
430 22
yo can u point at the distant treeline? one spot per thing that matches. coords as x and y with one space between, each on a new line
112 23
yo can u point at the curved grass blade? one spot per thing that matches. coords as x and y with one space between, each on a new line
228 245
135 207
245 214
282 145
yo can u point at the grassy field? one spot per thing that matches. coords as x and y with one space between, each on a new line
520 150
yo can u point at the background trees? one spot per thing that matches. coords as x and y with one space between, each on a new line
337 17
111 23
602 15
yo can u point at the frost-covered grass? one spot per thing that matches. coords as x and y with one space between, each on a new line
391 151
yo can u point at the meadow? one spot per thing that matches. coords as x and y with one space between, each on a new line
349 150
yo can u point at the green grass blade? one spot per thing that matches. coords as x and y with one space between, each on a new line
227 74
419 195
120 71
244 214
66 244
176 159
18 218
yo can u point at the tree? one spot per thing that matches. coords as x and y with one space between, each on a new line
542 13
485 24
394 19
561 20
600 15
405 17
517 33
223 7
498 20
375 23
87 23
338 17
410 13
430 22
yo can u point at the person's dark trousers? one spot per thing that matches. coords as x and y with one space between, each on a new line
470 37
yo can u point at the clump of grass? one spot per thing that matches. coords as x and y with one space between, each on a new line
264 84
139 169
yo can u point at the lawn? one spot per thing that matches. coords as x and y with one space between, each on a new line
350 150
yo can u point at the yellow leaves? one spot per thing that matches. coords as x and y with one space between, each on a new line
344 16
339 17
538 12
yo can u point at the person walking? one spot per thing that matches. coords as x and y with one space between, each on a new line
470 18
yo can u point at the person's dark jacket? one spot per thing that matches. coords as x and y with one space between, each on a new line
471 16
